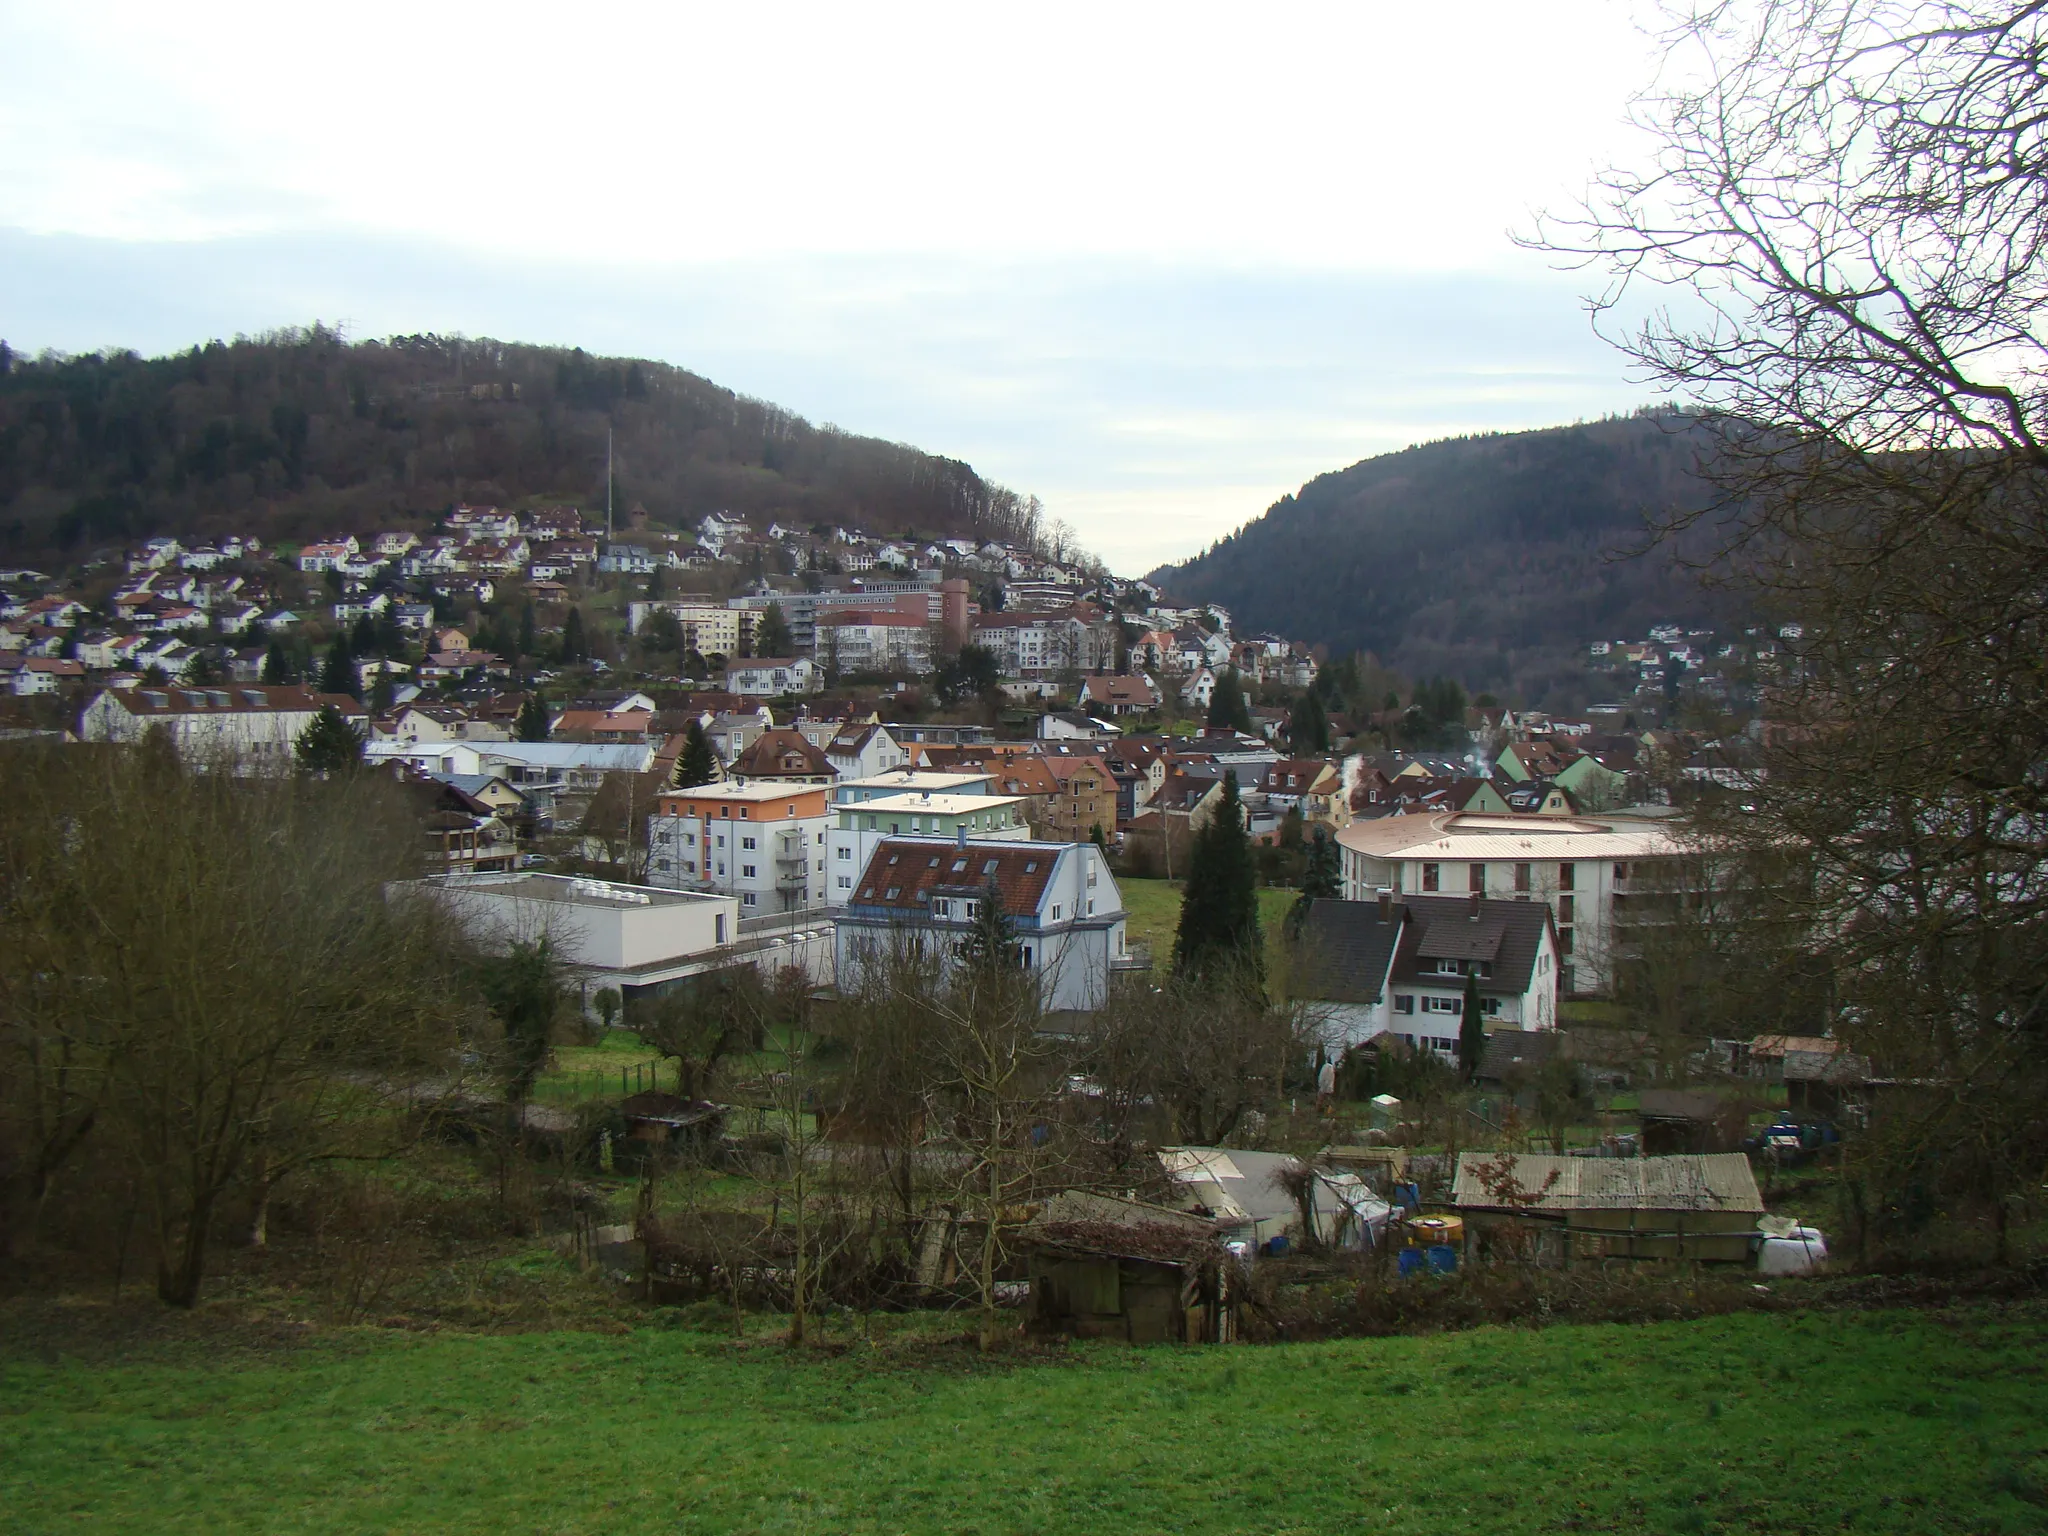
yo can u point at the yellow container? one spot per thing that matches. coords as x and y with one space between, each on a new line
1428 1231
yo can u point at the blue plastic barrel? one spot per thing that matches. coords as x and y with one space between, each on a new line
1443 1259
1276 1246
1408 1196
1410 1261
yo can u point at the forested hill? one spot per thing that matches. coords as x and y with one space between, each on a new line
299 434
1489 559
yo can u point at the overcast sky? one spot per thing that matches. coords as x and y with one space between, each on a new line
1159 264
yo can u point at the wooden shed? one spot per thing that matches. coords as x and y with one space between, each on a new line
1562 1209
1106 1268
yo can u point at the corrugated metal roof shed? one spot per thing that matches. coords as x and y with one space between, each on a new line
1708 1182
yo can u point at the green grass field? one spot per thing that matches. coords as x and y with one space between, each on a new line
1861 1422
1152 909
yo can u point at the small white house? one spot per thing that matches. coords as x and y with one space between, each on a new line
1065 912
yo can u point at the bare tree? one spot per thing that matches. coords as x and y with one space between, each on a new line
1848 198
245 997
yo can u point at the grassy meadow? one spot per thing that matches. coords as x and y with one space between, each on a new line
1152 909
1787 1423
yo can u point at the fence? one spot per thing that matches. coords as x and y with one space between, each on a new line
604 1082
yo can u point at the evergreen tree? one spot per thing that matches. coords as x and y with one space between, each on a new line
1322 880
362 640
990 944
656 582
772 637
277 664
338 673
330 743
1308 725
575 647
533 723
1219 910
1228 710
528 644
1472 1027
697 765
1324 876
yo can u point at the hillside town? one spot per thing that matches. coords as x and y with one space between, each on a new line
557 700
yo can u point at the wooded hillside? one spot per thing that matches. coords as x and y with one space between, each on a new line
1490 559
300 434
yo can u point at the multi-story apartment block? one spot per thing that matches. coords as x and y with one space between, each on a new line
762 841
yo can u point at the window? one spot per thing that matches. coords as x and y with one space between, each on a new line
1450 968
1091 906
846 882
1490 1006
958 865
846 853
1453 1005
689 866
892 893
721 839
1521 877
749 900
1404 1002
689 839
1055 911
745 813
989 868
1564 909
747 843
747 871
1475 878
1031 866
1621 871
1564 943
1429 877
1567 876
973 910
718 928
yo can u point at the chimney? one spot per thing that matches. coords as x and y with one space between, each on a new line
1386 904
960 835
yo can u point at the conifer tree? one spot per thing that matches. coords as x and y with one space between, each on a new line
697 765
533 723
338 672
1308 726
574 646
277 664
1322 880
329 743
1472 1027
991 942
773 638
1219 910
528 644
362 639
1228 710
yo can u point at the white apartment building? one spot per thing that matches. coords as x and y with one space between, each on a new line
257 726
860 825
709 629
1578 866
762 842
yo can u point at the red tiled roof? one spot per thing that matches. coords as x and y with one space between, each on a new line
905 873
242 698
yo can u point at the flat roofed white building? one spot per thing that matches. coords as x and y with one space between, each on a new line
1578 866
863 824
911 781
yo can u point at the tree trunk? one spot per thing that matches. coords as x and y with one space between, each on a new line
181 1263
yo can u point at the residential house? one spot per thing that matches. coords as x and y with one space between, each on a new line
625 725
46 674
871 640
1581 868
783 755
1309 785
859 826
767 677
862 751
1084 804
327 556
1060 900
1401 967
257 726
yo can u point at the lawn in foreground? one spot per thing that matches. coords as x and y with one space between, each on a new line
1787 1423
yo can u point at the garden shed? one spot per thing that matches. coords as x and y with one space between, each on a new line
1107 1268
1563 1209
